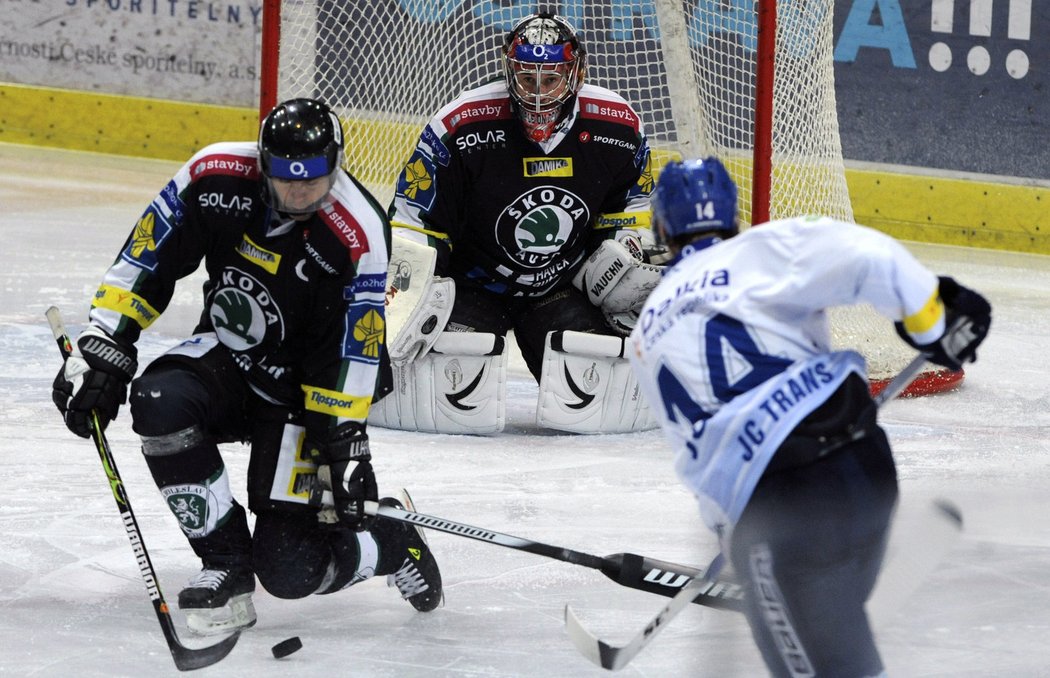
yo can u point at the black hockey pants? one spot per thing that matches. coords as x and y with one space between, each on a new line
190 405
479 310
810 544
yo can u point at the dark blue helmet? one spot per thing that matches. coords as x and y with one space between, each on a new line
692 197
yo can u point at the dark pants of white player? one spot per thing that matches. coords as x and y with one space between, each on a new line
531 318
290 551
810 544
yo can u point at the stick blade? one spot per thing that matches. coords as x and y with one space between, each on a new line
596 651
189 659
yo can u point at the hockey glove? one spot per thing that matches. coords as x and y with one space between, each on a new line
615 280
94 377
968 316
345 468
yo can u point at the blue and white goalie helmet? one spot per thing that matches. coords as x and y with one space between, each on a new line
694 196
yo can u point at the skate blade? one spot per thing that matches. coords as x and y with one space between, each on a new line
239 613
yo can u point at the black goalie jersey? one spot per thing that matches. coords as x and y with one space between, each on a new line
515 216
300 304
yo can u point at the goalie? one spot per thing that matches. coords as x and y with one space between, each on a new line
531 195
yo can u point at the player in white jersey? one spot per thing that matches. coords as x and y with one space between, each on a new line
775 433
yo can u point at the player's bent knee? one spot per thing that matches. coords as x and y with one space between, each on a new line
290 555
166 401
288 581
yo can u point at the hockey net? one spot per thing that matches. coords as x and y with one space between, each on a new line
692 70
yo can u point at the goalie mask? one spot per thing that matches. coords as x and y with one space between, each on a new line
695 196
544 65
300 149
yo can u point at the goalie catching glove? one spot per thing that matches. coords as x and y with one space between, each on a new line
94 377
615 280
967 318
345 469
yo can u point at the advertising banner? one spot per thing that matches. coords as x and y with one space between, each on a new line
950 84
947 84
202 51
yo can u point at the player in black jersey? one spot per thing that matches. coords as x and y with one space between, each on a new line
519 182
288 355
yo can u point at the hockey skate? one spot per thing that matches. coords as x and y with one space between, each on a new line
218 600
417 577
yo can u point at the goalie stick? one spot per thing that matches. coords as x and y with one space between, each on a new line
627 569
944 527
186 658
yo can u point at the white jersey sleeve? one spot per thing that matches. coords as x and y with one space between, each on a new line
732 349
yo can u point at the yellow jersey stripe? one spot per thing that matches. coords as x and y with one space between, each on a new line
923 320
336 403
126 303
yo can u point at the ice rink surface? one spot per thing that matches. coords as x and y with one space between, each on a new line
72 602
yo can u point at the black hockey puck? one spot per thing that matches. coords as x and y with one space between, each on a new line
286 647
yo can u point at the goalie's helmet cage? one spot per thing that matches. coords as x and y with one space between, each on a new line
544 64
694 196
300 140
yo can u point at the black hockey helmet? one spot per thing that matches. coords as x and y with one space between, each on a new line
300 139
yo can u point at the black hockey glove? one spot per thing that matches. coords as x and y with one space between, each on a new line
95 376
345 468
968 316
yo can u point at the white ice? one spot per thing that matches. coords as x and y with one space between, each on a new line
72 602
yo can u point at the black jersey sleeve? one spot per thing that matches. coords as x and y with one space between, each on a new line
170 239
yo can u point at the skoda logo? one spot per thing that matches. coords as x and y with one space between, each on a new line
539 224
243 312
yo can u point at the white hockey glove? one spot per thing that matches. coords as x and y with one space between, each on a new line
418 303
614 280
94 377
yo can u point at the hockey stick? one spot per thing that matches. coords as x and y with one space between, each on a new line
901 381
186 658
627 569
615 657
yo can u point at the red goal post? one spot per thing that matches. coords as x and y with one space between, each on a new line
750 83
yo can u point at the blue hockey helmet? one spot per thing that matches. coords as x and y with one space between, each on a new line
694 196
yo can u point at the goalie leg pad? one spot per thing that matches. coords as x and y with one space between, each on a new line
459 387
587 386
